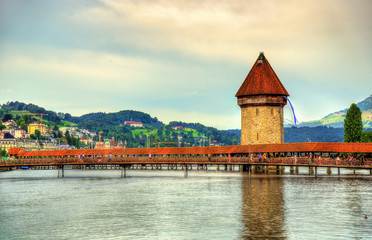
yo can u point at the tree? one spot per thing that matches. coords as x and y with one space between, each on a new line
353 124
7 117
68 138
37 134
366 136
2 126
3 153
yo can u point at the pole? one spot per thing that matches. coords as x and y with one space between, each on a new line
123 171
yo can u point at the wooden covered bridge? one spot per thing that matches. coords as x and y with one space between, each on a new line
248 157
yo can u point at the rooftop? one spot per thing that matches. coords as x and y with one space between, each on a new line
261 80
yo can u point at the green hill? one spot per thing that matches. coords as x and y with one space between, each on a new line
336 119
153 132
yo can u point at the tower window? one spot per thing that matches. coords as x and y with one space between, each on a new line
272 112
257 112
257 136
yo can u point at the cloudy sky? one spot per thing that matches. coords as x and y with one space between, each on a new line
183 60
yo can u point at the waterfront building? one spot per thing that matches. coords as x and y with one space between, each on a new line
27 144
261 98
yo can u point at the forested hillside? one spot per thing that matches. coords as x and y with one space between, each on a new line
154 132
31 108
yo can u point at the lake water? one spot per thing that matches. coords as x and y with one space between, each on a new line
98 204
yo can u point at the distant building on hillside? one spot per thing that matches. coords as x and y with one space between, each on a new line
10 124
133 124
19 133
178 128
99 145
15 132
37 126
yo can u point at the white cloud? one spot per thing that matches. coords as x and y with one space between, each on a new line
139 54
219 29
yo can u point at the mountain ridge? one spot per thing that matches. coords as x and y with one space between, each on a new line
336 119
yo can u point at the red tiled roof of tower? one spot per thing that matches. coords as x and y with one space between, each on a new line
261 80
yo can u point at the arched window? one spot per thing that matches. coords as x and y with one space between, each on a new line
257 112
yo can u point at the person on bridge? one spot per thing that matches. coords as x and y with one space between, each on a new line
320 159
338 160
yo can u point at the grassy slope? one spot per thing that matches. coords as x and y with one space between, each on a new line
339 118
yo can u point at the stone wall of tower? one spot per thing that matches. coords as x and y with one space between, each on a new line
262 124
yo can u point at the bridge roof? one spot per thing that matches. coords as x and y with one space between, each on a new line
235 149
261 80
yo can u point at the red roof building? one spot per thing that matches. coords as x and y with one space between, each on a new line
261 98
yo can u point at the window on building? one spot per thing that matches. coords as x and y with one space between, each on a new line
257 112
272 112
257 136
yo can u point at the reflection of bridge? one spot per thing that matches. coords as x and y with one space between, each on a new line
312 155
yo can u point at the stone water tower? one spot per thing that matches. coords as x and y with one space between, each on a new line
261 98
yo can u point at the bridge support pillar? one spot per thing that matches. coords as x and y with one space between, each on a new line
311 170
354 171
123 171
316 171
62 171
329 170
296 170
338 171
370 171
230 167
217 167
225 167
244 168
186 171
291 169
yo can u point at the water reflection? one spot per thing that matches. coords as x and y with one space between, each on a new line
263 208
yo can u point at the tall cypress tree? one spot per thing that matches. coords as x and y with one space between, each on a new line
353 125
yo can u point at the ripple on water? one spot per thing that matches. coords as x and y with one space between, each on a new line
165 205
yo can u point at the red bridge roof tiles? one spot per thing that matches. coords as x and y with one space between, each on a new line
236 149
